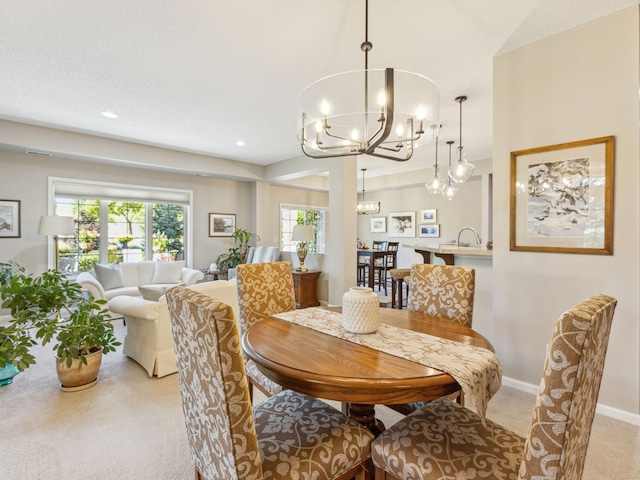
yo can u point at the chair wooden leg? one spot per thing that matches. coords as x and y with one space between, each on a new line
198 476
380 474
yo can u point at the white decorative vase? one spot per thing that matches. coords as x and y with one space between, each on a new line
360 310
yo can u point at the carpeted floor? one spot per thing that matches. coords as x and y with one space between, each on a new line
130 426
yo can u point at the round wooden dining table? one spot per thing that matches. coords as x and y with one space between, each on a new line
324 366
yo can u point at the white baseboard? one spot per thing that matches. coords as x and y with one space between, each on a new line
632 418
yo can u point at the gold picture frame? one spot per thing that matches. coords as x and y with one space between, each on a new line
562 198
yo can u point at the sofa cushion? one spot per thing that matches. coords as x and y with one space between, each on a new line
168 272
109 276
130 274
125 291
146 270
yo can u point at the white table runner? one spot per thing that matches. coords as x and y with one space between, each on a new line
476 369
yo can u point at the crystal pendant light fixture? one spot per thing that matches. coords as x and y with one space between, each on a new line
461 170
367 208
435 184
450 189
383 113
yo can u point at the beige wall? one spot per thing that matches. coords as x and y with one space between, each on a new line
576 85
25 177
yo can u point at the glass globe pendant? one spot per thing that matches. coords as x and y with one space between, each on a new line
461 171
435 184
450 189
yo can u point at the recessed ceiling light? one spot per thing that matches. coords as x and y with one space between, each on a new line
240 143
109 114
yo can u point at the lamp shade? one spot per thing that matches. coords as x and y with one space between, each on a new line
55 225
302 233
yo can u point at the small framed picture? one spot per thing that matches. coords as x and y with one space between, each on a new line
428 216
429 230
378 224
222 224
402 224
9 218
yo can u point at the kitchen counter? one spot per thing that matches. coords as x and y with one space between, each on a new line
447 252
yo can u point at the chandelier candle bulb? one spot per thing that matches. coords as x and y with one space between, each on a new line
360 310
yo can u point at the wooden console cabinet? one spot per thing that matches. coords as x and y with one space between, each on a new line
305 285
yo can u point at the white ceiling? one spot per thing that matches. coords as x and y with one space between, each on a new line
197 75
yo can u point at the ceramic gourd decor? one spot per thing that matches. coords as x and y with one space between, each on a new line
360 310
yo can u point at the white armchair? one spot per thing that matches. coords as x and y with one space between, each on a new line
259 255
148 339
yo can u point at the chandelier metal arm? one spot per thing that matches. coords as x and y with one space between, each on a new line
387 124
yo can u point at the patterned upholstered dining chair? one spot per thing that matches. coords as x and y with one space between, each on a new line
264 289
442 290
288 436
445 291
444 440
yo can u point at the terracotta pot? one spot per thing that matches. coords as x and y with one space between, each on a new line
77 376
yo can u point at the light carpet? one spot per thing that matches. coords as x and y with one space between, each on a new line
130 426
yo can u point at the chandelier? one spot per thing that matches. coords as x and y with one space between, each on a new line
367 208
378 112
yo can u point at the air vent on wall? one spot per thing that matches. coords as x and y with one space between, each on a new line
39 154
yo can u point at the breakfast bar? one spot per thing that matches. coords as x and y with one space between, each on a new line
447 252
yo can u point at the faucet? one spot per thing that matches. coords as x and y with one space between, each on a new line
478 239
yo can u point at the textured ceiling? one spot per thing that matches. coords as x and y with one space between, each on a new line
199 75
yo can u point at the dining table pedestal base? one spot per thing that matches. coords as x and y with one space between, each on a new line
365 415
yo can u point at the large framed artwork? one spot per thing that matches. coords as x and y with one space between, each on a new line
402 224
9 218
562 198
222 224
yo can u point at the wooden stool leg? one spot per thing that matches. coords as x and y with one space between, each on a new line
400 287
393 293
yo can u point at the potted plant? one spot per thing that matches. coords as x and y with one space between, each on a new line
57 310
238 253
14 340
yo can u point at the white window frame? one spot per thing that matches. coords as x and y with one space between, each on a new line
78 188
290 247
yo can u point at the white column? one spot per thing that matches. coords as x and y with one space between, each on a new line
341 257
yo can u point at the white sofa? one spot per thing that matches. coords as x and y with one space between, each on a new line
148 339
106 282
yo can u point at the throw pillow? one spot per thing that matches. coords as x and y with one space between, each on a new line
109 276
153 293
168 272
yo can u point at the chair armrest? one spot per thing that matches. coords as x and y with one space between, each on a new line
91 284
136 307
190 276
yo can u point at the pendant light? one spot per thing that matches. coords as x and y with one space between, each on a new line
367 208
451 189
462 170
435 184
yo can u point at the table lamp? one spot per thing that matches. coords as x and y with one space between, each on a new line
56 226
302 234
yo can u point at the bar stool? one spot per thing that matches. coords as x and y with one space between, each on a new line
398 276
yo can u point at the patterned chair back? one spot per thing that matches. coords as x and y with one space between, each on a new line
442 290
558 436
264 289
215 395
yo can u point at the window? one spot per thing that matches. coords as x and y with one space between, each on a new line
291 215
113 230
